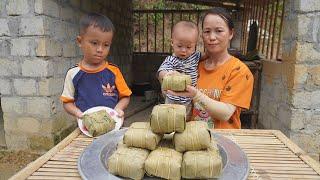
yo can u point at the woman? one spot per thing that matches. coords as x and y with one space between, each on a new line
225 84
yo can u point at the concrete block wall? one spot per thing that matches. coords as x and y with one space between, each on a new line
37 46
290 90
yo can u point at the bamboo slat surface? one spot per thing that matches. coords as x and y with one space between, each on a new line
271 154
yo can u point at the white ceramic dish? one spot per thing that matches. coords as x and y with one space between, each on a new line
110 111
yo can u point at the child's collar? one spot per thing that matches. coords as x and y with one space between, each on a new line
96 70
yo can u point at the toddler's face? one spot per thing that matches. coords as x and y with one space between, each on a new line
184 42
95 44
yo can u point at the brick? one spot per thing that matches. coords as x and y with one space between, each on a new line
5 87
5 48
17 7
16 140
315 75
48 47
69 50
10 123
72 32
306 52
28 125
25 87
299 118
59 30
34 25
41 143
305 141
314 120
51 86
67 14
61 67
308 5
8 67
300 75
12 105
46 7
4 28
37 68
39 106
21 47
301 99
315 96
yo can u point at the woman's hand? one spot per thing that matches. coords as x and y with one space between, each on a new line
190 92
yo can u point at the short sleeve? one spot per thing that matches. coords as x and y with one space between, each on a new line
68 89
121 85
166 65
238 89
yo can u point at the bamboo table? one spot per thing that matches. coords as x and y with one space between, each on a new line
271 154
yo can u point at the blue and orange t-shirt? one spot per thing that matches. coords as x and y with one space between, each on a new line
101 87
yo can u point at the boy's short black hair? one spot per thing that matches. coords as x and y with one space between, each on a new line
96 20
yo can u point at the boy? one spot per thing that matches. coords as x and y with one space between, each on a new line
94 81
185 59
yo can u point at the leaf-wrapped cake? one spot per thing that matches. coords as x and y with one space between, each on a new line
98 123
168 118
176 82
165 163
195 137
128 162
140 135
204 164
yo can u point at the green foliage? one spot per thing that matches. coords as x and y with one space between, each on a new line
164 4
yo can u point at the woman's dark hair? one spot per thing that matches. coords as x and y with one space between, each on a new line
224 14
96 20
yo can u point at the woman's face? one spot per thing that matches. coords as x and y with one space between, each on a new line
216 34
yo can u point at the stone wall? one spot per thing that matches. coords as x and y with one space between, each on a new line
37 46
290 90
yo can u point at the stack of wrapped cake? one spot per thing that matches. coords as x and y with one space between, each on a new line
188 152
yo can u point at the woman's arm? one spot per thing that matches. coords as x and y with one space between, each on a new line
219 110
72 109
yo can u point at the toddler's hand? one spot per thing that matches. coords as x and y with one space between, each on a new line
171 73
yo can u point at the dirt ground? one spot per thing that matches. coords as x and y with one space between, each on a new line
12 162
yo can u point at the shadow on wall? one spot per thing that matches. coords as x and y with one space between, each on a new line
2 135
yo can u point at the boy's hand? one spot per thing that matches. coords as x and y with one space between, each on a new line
79 114
120 112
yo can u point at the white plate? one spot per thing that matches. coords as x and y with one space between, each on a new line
110 111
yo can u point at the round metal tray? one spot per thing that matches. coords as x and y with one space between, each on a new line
92 163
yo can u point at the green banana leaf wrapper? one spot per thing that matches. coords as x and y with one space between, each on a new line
168 118
140 135
205 164
128 162
165 163
98 123
176 82
196 137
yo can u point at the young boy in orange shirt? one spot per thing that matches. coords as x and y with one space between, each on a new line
95 81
